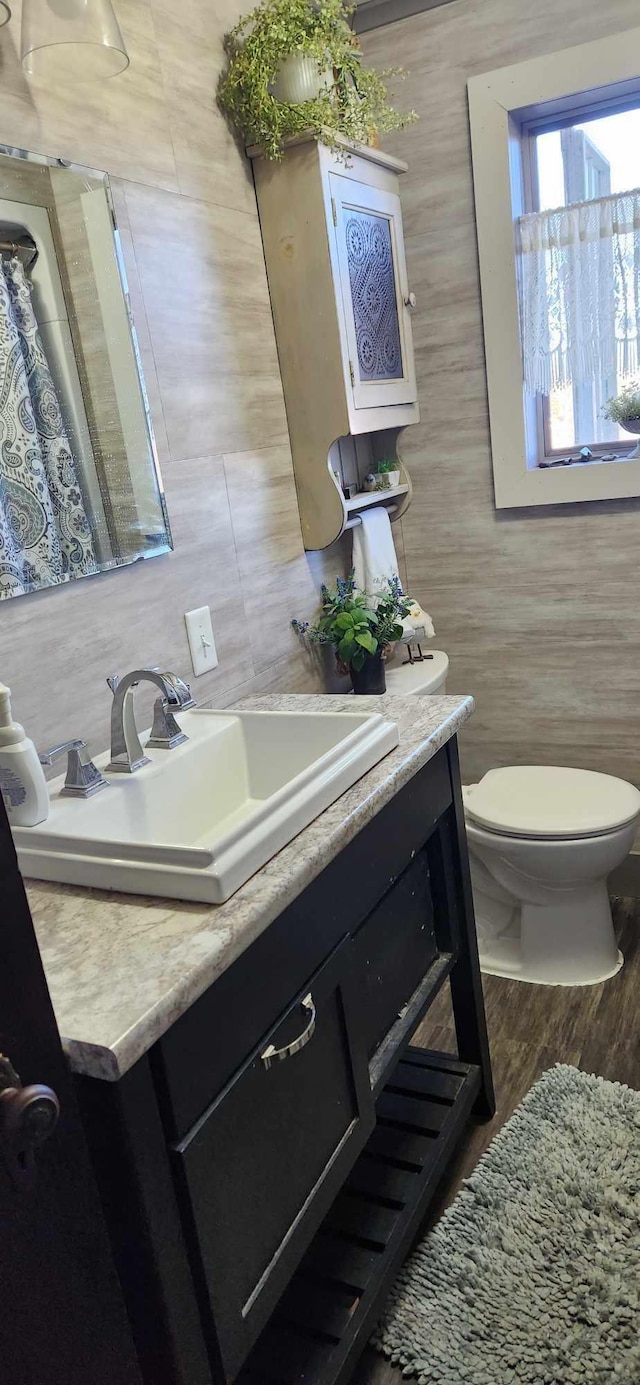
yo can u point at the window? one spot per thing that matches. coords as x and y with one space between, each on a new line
568 163
554 141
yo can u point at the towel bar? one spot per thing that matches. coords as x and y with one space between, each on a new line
351 523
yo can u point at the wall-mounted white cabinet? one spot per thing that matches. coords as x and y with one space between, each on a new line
333 241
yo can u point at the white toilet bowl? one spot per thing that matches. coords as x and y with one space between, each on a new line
542 841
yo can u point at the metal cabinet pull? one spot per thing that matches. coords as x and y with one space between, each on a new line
272 1054
410 301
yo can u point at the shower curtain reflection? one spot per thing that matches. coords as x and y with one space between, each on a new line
45 536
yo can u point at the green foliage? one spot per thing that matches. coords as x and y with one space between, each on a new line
355 107
625 405
389 464
350 623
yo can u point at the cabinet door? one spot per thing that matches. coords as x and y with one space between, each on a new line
373 288
394 949
261 1167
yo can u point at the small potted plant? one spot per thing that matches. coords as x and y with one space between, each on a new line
389 473
295 66
624 410
360 628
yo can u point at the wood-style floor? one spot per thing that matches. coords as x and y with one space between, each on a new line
596 1028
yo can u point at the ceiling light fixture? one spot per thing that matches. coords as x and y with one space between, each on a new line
71 40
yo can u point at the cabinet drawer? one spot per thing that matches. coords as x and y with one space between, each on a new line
394 948
261 1167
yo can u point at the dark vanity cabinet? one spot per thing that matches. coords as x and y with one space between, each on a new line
265 1161
267 1165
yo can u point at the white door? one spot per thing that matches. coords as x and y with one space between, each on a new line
374 294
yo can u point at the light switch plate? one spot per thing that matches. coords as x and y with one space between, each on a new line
201 641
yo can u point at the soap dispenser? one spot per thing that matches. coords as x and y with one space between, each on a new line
22 782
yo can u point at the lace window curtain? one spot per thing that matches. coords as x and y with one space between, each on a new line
580 292
45 537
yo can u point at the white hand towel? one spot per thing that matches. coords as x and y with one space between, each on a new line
374 554
375 561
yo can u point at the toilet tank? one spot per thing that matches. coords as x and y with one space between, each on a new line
421 678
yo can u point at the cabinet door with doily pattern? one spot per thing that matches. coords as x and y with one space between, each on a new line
374 292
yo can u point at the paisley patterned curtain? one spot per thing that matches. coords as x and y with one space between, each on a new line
45 536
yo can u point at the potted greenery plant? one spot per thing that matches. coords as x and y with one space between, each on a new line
359 633
624 409
296 66
389 471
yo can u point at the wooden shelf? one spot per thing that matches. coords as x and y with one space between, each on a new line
330 1308
364 499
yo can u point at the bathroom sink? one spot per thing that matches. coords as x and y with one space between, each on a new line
200 819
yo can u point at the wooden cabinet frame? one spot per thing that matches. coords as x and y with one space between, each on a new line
312 316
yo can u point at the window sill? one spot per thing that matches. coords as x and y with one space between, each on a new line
516 487
554 463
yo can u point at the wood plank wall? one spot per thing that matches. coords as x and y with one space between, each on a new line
194 259
538 609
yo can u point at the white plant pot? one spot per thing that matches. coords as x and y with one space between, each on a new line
632 425
390 479
299 79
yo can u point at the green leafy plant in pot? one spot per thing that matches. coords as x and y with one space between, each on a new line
360 628
624 410
389 472
303 49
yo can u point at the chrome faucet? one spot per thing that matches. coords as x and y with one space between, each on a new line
127 754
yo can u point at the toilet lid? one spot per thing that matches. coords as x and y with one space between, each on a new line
547 801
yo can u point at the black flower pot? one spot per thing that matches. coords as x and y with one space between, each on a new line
369 680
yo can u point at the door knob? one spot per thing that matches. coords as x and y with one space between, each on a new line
28 1116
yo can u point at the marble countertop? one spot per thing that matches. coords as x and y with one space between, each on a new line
122 968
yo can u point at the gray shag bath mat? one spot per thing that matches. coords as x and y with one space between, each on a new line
532 1276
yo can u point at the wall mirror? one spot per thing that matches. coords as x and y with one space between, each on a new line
80 486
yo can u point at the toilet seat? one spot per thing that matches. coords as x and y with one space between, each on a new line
550 802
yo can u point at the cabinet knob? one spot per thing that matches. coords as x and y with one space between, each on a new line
410 301
28 1116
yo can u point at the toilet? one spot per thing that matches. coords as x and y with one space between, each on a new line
542 842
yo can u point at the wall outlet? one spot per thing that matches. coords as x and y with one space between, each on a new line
201 641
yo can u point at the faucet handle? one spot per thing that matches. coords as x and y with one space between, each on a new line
182 691
113 682
83 777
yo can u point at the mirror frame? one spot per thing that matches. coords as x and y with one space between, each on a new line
101 176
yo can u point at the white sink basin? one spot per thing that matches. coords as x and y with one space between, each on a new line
203 817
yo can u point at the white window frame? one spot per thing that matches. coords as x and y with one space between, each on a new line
503 104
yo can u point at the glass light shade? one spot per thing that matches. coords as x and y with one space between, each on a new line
71 40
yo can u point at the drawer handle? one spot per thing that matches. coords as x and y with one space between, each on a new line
272 1054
